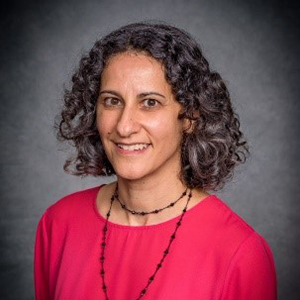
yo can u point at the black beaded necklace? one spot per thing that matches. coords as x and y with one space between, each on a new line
142 213
165 253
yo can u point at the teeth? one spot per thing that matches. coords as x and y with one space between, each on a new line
133 147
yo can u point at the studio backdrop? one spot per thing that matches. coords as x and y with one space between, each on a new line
252 44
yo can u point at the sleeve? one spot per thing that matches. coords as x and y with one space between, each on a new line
41 260
251 274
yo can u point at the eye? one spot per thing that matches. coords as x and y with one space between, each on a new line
110 101
149 103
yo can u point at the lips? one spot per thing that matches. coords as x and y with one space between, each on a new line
134 148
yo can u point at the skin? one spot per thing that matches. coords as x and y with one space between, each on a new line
136 105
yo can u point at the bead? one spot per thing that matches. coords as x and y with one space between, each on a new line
116 196
103 244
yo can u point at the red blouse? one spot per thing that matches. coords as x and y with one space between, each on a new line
215 255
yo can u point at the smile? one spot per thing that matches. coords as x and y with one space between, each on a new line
134 147
138 148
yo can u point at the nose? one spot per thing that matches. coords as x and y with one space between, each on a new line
128 123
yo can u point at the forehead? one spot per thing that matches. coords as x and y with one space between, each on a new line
133 57
133 66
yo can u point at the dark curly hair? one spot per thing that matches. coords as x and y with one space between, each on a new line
209 152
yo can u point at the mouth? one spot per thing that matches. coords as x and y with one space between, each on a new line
132 148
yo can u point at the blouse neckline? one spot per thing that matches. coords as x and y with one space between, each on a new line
147 227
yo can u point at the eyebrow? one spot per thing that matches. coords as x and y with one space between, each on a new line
139 95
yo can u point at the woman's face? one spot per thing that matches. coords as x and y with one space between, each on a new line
137 117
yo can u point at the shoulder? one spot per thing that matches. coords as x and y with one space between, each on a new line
72 206
231 232
248 243
223 221
251 273
246 252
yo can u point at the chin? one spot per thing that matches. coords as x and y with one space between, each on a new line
131 173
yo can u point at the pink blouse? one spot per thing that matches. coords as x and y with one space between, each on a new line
215 255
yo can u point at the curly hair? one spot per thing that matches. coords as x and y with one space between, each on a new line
209 152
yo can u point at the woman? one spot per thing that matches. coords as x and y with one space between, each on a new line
145 106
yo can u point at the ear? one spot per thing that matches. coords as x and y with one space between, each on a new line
188 125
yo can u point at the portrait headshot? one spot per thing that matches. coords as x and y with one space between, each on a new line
150 151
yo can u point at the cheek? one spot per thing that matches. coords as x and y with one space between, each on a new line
104 125
165 128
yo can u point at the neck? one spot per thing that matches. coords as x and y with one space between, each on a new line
148 195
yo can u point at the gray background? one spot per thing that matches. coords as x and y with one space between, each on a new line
252 44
